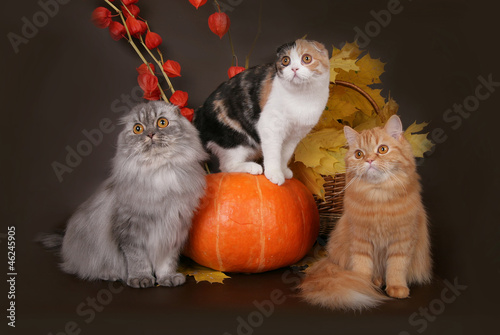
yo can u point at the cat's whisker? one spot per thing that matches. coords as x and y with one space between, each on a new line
395 178
356 177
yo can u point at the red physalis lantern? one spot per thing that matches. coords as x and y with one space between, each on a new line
129 2
198 3
188 113
172 68
116 30
131 9
179 98
234 70
153 40
134 26
101 17
149 84
219 23
143 68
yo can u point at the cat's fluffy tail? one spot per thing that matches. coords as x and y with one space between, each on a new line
331 286
52 241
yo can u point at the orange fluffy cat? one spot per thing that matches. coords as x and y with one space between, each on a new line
382 237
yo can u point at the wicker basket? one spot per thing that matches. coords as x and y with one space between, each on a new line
331 209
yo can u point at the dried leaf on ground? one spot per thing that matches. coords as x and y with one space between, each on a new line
200 273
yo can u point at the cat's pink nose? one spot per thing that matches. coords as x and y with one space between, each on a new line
151 135
295 69
369 161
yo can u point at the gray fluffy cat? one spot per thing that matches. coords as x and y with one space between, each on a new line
134 226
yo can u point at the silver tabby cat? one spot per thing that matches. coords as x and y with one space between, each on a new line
133 228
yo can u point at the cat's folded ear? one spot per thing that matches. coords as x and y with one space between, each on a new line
320 47
394 127
351 135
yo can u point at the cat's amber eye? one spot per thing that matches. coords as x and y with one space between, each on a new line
138 128
162 122
285 61
359 154
383 149
306 59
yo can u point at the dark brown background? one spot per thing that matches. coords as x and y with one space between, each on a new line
67 77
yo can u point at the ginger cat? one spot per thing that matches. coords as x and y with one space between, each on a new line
382 237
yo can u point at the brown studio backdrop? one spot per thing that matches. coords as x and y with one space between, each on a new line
67 78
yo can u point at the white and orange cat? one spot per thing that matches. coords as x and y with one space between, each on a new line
266 110
382 238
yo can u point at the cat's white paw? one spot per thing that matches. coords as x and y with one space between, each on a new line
275 176
288 173
175 279
250 167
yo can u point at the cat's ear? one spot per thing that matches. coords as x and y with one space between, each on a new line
320 47
394 127
351 135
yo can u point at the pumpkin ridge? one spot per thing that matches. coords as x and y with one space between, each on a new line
262 237
217 205
302 212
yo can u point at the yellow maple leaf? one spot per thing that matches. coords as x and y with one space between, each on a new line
309 150
369 72
339 155
390 108
200 273
368 122
341 60
419 142
327 163
351 49
340 108
312 180
415 128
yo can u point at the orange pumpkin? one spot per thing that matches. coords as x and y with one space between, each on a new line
248 224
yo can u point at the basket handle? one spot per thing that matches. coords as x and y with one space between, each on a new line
360 91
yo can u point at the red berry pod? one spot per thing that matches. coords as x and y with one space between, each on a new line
219 23
152 95
117 30
147 82
153 40
130 9
188 113
134 26
179 98
234 70
172 68
142 69
198 3
129 2
101 17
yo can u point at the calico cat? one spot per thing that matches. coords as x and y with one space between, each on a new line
382 237
266 110
133 228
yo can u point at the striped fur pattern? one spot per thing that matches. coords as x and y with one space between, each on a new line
264 111
382 239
